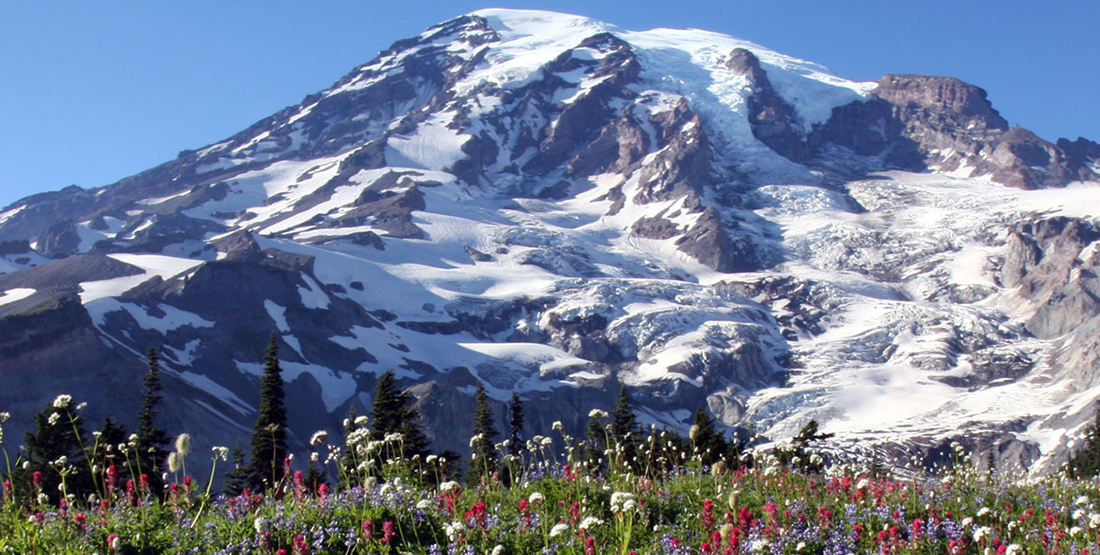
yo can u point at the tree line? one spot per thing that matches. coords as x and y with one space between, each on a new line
143 460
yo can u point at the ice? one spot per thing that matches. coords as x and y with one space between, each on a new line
433 146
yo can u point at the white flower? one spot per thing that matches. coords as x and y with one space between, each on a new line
498 550
61 461
535 498
62 401
448 486
1014 549
547 441
588 522
454 529
1083 500
1075 531
423 504
558 529
629 505
618 499
183 444
597 413
318 438
1094 520
431 459
982 533
475 440
555 426
53 419
862 483
4 416
1078 514
966 522
261 525
173 462
82 406
983 511
220 452
360 420
394 437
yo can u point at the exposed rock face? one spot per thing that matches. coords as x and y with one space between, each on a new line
773 121
948 125
59 240
741 232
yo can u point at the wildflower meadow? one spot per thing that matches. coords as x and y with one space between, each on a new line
549 495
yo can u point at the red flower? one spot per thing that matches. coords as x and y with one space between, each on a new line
590 546
300 545
113 542
387 531
368 530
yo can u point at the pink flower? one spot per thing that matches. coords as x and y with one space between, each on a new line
113 542
368 529
387 531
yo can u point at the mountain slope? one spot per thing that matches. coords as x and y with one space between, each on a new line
554 205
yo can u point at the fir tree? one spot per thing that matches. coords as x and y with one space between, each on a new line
350 461
152 440
707 442
624 430
798 455
1085 462
58 432
111 434
515 439
595 442
269 433
515 425
236 478
483 456
393 412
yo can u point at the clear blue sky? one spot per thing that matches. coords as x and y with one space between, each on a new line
92 92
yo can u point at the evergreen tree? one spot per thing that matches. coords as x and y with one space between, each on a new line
111 434
236 479
58 432
515 425
1085 462
392 411
315 477
798 455
595 442
269 433
624 431
707 442
152 440
483 456
515 440
350 461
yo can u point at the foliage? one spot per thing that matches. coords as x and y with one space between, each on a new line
798 454
152 440
269 447
676 506
483 456
1085 462
392 412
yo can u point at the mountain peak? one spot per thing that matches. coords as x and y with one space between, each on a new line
553 205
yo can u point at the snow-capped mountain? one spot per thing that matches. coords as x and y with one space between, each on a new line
554 206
